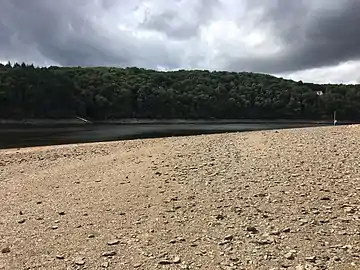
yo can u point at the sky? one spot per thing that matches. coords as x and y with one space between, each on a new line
308 40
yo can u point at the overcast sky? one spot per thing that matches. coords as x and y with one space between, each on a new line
309 40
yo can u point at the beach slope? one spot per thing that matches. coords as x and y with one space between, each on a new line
284 199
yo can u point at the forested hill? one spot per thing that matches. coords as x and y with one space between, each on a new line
114 93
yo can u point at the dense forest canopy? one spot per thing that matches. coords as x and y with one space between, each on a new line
115 93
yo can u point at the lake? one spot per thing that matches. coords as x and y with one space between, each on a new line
13 136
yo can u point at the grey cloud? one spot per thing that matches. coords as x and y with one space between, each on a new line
86 33
312 38
66 34
176 23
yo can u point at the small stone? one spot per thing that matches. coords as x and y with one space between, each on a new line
105 265
286 230
108 253
228 237
165 262
347 247
350 210
113 242
5 250
177 259
79 261
303 221
289 256
21 221
54 227
275 232
310 259
60 256
91 236
61 213
252 229
137 265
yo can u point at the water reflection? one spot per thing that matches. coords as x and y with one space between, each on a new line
21 136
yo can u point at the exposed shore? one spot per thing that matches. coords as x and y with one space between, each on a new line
284 199
159 121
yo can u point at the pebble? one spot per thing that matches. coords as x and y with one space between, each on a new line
286 230
310 259
54 227
105 264
165 262
113 242
137 265
177 259
5 250
289 255
108 253
91 236
61 213
275 232
252 229
60 256
21 221
79 261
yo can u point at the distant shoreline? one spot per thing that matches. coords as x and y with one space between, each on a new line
163 121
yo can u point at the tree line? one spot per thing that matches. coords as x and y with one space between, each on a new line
103 93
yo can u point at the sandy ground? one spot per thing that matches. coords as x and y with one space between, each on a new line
259 200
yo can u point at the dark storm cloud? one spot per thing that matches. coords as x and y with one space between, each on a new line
86 33
65 33
61 32
312 38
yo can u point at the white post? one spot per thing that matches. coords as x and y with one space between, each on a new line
335 121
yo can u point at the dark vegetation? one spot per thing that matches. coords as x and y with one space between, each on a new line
114 93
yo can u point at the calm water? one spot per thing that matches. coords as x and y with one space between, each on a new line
22 136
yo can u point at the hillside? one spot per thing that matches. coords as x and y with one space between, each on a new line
115 93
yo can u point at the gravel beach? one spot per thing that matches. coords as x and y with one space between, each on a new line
285 199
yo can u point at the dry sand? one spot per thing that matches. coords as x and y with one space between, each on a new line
260 200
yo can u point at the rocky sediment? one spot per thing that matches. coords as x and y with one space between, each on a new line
260 200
